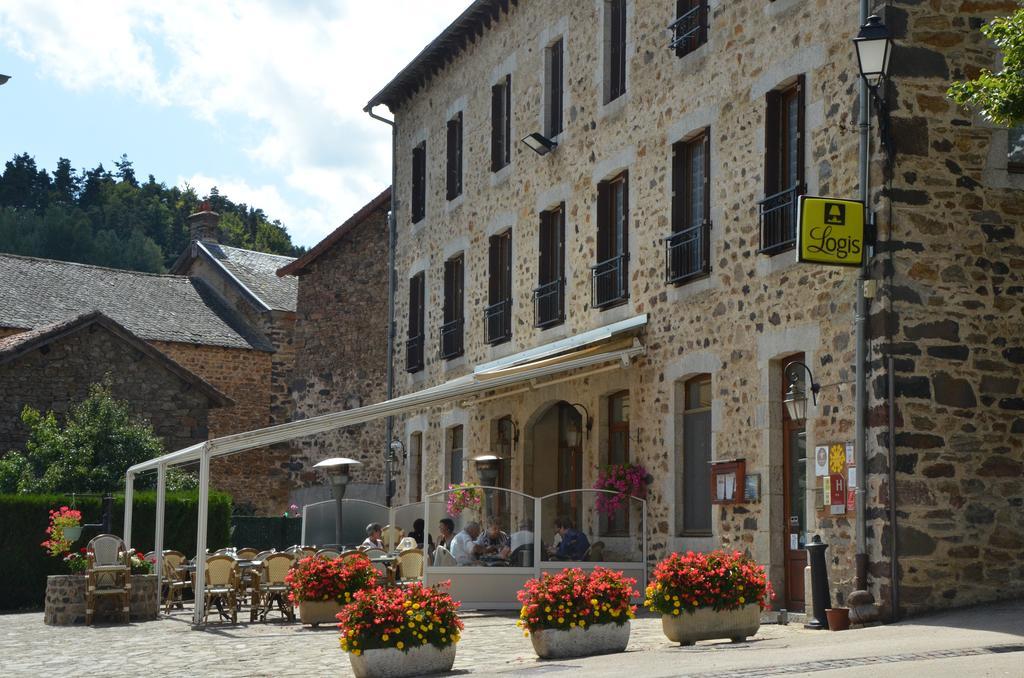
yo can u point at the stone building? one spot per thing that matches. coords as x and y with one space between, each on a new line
666 215
226 319
340 347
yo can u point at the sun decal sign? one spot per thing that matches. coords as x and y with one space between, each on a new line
831 231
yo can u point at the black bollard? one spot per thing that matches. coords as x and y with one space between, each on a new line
108 513
819 584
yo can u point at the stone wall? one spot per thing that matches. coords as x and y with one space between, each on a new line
341 350
59 374
65 601
948 310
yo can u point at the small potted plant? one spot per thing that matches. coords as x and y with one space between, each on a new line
576 614
321 586
463 496
708 595
400 631
76 561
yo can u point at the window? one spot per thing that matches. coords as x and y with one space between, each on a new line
414 340
415 467
419 182
618 453
784 167
453 174
687 249
1015 149
614 49
610 276
694 469
452 329
549 295
455 455
555 90
690 29
501 124
498 314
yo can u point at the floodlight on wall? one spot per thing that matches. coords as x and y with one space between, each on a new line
796 396
539 143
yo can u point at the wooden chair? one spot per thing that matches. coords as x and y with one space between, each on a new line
390 535
174 586
353 554
108 573
272 587
221 583
330 554
410 565
246 553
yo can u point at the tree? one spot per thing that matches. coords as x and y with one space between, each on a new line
999 96
91 452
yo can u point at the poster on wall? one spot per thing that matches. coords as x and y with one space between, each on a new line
837 493
850 459
821 461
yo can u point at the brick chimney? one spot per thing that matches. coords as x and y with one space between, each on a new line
204 224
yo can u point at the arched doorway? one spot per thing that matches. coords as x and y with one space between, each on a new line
554 461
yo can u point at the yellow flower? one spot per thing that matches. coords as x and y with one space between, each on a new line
561 620
399 645
547 608
593 601
384 637
415 606
356 652
742 599
675 611
526 634
676 603
549 617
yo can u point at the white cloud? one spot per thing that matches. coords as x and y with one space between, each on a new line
303 71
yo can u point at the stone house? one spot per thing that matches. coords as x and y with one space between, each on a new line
666 215
340 348
226 319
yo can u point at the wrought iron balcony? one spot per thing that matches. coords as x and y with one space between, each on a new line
688 29
451 339
498 321
610 279
549 304
687 253
414 353
778 221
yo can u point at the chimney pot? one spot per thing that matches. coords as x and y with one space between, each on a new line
204 224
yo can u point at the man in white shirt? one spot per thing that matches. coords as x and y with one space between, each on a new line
463 546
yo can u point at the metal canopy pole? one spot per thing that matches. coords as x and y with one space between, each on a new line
204 499
158 532
129 495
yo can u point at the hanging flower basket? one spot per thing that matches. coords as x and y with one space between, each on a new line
65 528
625 480
708 595
463 496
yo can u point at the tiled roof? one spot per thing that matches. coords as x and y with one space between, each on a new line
15 346
299 266
36 292
257 271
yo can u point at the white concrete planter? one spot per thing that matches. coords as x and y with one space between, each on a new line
577 642
705 624
317 612
392 663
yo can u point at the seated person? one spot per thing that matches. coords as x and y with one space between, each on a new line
493 542
524 535
463 545
417 533
373 537
574 544
445 532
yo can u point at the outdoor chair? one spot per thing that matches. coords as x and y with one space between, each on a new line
444 558
246 554
407 543
390 535
174 585
150 556
353 554
374 553
595 554
272 587
221 585
330 554
410 565
522 556
177 559
108 573
227 551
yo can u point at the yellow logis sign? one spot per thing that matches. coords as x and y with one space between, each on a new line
831 231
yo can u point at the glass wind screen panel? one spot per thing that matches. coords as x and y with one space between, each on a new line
319 521
505 521
601 543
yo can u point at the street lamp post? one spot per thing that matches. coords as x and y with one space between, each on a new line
337 469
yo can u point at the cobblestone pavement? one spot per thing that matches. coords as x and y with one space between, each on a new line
979 641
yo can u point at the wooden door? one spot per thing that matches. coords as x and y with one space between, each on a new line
794 453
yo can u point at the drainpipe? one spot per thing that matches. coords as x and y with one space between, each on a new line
389 426
861 406
894 587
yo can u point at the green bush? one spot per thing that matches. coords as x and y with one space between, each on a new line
25 517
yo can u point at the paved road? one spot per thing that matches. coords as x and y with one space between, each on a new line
982 641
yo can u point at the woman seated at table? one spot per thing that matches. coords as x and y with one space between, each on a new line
373 537
417 534
493 543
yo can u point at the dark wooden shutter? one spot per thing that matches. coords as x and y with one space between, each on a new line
497 127
707 176
419 179
454 174
449 290
604 221
679 183
507 265
555 91
560 249
800 142
507 132
544 254
493 266
625 212
772 142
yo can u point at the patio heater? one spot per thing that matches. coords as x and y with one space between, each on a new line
487 467
337 469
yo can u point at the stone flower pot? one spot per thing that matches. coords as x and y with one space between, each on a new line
705 624
580 642
392 663
65 601
317 612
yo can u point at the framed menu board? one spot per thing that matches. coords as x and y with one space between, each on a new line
728 482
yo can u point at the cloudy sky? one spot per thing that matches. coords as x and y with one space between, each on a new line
261 98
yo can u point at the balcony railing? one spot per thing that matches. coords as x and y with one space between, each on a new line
686 253
778 221
549 304
451 339
688 30
414 353
610 280
498 321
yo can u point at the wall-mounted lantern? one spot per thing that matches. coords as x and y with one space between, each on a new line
796 396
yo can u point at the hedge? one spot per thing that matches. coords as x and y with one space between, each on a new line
265 533
25 517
